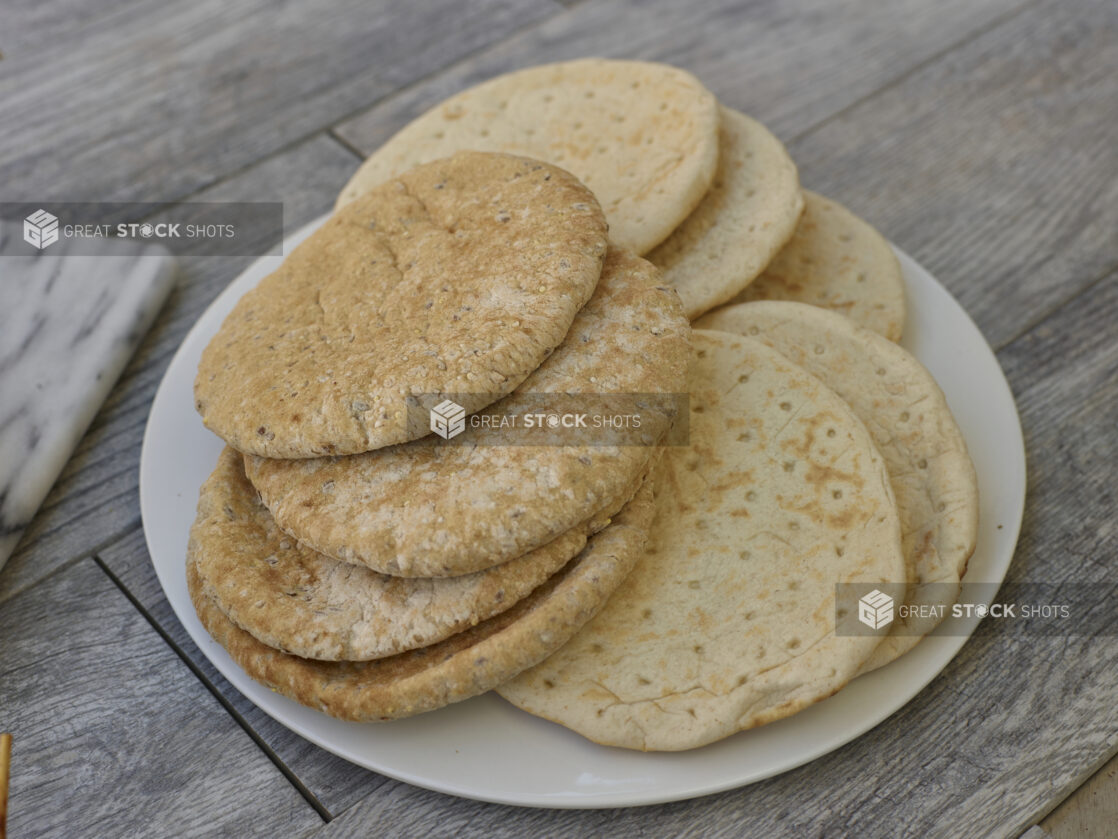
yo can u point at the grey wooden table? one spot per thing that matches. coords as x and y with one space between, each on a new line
979 135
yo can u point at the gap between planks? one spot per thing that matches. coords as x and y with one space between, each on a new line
283 768
1109 273
973 35
328 129
1084 805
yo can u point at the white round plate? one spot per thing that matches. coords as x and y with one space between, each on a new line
485 748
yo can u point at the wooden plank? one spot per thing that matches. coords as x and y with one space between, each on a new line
995 166
1065 373
112 733
95 498
157 104
1092 810
27 26
791 63
336 783
1005 732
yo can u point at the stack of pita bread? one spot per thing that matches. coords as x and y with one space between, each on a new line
549 234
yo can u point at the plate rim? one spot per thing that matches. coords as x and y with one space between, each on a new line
945 647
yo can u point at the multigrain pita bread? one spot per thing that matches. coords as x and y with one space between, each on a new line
907 415
461 276
642 136
747 215
302 602
837 261
727 622
423 510
459 667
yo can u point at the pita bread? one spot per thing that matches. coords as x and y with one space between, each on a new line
425 510
302 602
911 423
837 261
728 620
643 136
459 667
745 218
461 276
